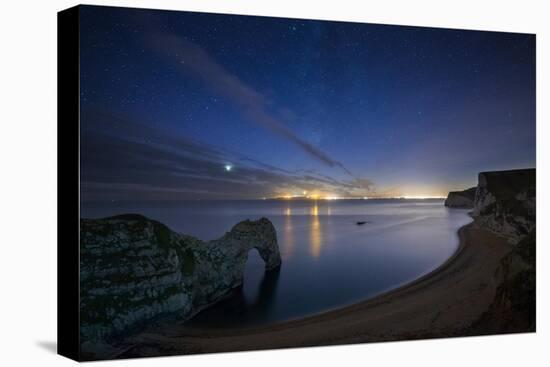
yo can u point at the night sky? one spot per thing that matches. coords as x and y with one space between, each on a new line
178 105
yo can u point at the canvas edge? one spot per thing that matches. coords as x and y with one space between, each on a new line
68 183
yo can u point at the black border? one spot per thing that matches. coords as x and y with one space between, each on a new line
68 183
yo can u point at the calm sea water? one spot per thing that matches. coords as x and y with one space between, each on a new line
328 260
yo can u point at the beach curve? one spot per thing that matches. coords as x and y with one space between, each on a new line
444 302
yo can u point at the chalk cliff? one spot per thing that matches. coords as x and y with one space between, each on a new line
133 269
461 199
505 202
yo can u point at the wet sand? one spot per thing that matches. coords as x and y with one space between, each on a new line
442 303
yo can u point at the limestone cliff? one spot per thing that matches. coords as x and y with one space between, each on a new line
461 199
514 306
133 269
505 202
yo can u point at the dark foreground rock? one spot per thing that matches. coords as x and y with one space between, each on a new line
133 269
514 306
461 199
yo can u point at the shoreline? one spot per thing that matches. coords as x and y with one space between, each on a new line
444 302
343 306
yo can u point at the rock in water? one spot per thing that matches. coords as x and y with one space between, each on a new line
133 269
461 199
505 202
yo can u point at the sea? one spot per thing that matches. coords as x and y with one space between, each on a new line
328 259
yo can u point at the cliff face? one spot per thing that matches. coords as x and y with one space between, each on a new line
461 199
505 202
133 269
514 306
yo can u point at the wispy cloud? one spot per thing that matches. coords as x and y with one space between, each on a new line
191 58
146 164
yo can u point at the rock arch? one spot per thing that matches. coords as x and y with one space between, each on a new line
260 235
134 269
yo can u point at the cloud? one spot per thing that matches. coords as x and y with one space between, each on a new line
144 164
191 58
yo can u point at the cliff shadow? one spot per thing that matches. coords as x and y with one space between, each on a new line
236 310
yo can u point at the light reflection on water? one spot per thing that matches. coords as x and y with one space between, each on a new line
288 239
315 230
328 260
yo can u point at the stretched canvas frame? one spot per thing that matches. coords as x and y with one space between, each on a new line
101 315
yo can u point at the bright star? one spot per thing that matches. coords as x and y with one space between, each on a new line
228 167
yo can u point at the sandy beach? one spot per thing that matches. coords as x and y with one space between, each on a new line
442 303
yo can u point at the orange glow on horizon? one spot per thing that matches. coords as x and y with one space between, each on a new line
411 192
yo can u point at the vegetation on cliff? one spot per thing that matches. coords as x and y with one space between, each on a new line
133 269
505 204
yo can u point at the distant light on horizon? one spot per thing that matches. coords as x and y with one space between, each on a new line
418 141
323 197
